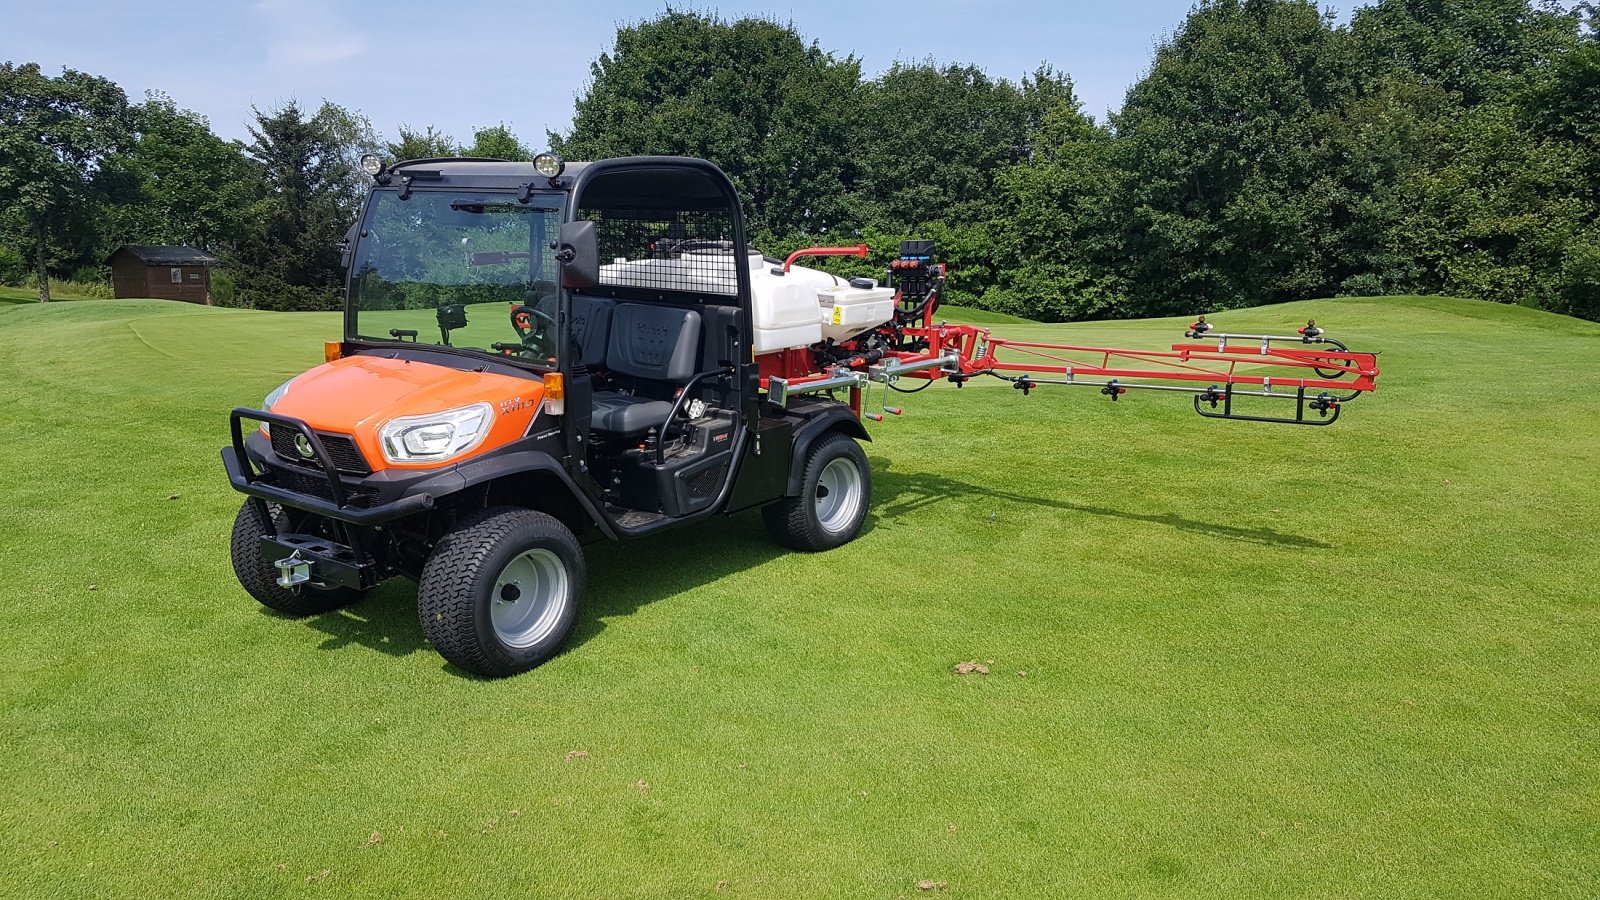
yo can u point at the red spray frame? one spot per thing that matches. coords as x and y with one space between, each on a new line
1318 374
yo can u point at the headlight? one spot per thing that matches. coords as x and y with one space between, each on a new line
435 436
276 395
272 399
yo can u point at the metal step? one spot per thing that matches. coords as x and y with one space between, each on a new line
633 519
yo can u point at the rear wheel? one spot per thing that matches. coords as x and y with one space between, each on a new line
500 593
259 577
835 491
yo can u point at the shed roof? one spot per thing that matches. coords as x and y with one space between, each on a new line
169 256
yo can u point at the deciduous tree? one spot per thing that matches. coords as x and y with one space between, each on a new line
752 96
55 133
496 142
425 144
1228 199
193 187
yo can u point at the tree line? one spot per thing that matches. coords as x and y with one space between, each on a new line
83 170
1268 154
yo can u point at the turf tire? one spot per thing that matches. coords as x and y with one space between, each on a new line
456 595
259 577
794 521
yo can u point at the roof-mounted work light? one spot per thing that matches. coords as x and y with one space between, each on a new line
549 165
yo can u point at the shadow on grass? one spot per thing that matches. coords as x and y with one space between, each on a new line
385 620
899 495
622 577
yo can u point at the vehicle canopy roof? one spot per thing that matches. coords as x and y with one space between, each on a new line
626 182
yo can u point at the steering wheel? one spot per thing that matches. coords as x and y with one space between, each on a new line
535 327
522 317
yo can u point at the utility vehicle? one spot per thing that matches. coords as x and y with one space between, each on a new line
540 354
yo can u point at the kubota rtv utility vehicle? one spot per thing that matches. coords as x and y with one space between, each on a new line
538 354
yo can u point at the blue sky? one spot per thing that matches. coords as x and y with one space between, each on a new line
466 63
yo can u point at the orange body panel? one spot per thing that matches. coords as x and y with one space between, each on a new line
358 394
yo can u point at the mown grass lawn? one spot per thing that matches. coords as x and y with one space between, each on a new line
10 296
1266 661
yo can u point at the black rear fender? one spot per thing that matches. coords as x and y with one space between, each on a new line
840 419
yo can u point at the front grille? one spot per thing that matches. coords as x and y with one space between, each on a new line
317 486
346 458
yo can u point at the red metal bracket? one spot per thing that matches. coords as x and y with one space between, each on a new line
858 250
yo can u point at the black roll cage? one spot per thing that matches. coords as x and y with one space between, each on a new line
620 183
573 189
592 177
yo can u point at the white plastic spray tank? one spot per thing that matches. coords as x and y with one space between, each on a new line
790 309
805 306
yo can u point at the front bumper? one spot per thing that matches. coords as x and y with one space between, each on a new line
253 470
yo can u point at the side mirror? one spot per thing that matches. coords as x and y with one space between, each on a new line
346 245
579 252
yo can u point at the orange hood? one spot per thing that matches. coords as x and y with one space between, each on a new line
358 394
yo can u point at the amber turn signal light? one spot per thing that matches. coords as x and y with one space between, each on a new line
332 350
555 394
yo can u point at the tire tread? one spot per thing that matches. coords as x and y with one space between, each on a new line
791 521
446 593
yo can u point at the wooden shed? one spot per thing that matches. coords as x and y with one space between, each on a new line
168 273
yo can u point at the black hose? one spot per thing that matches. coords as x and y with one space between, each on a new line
1333 374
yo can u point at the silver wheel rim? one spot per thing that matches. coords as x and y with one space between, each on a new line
838 495
529 598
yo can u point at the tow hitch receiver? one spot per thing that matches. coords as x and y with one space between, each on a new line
293 571
317 561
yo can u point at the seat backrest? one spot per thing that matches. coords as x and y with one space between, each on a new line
656 342
719 342
719 346
591 326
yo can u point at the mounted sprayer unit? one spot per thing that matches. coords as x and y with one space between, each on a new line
1317 373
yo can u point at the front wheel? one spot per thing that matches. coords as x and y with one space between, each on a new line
500 593
835 491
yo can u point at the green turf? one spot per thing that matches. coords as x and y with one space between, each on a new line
978 316
10 296
1261 661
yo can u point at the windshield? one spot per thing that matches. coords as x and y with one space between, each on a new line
469 270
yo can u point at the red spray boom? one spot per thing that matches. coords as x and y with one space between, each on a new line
1315 373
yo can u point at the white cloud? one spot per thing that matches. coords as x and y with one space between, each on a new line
307 33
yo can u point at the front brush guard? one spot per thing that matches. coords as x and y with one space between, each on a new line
246 480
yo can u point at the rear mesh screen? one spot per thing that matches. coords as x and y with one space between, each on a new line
689 251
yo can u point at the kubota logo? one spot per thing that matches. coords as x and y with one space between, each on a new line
303 447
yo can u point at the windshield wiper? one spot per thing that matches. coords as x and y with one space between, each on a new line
461 206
